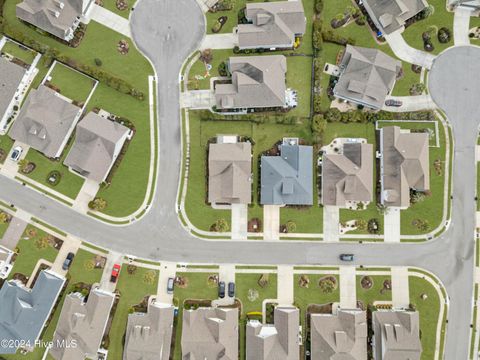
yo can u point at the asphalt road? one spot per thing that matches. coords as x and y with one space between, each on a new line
167 32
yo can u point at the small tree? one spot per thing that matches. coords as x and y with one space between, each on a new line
98 62
98 204
361 224
149 277
42 243
220 225
327 286
4 218
291 226
22 165
206 56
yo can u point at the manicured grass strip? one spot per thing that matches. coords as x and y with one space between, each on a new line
111 5
333 268
48 226
255 267
9 206
101 218
91 246
20 52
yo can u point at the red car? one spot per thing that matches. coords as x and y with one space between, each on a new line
115 273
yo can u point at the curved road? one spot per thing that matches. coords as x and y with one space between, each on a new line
167 31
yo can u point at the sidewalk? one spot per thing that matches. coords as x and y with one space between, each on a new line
110 20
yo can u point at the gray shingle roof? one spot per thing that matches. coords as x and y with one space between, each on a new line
339 336
348 176
83 322
404 165
210 333
98 142
11 76
288 179
397 335
391 15
257 82
45 121
367 76
149 335
229 173
50 15
273 24
274 342
23 311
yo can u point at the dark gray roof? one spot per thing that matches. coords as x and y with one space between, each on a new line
51 15
11 76
98 142
82 322
273 24
210 333
288 179
397 335
348 176
367 76
404 165
24 311
340 336
391 15
257 82
149 335
45 121
274 342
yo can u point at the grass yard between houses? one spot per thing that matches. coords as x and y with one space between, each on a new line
71 83
20 52
133 289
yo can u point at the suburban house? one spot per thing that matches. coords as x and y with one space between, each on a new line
342 335
367 76
257 82
98 142
230 173
12 77
6 266
83 322
279 341
57 17
149 335
25 311
404 165
391 15
45 122
210 333
347 175
396 335
288 179
272 25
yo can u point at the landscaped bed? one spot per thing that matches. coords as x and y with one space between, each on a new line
372 288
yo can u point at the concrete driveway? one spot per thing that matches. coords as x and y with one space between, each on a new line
112 259
87 193
271 222
168 270
239 221
14 231
407 53
391 221
197 99
461 25
400 287
219 41
70 244
285 290
348 287
411 103
331 223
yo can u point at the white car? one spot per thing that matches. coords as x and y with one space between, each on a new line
16 153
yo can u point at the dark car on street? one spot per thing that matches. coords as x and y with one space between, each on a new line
68 261
347 257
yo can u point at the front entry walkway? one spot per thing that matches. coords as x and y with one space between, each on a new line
331 223
271 222
391 221
239 221
348 287
407 53
400 290
219 41
461 25
110 20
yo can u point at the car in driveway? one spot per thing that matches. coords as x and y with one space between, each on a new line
231 289
115 273
392 102
221 289
347 257
170 285
68 261
16 153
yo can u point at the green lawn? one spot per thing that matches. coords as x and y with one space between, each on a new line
29 253
312 294
375 293
5 144
199 77
246 282
3 228
478 186
440 18
133 288
409 78
71 83
20 52
429 312
299 69
70 183
110 5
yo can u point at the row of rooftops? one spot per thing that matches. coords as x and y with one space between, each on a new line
347 173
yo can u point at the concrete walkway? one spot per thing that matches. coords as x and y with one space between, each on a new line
400 290
411 103
271 222
391 221
197 99
70 245
14 231
407 53
87 193
219 41
331 223
461 25
112 259
348 287
239 221
285 290
167 270
110 20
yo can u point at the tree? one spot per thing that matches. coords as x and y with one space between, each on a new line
98 62
327 285
149 277
4 217
98 204
220 225
22 165
206 56
291 226
42 243
319 124
361 224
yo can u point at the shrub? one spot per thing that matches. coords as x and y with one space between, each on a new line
317 34
291 226
327 285
361 224
373 226
98 204
89 265
224 5
42 243
4 217
149 277
444 35
217 25
318 6
331 37
319 124
98 62
222 69
220 225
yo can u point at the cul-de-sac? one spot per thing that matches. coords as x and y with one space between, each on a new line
239 179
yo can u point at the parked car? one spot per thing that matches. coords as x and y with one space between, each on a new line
221 289
115 273
16 153
347 257
68 261
392 102
231 289
170 285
